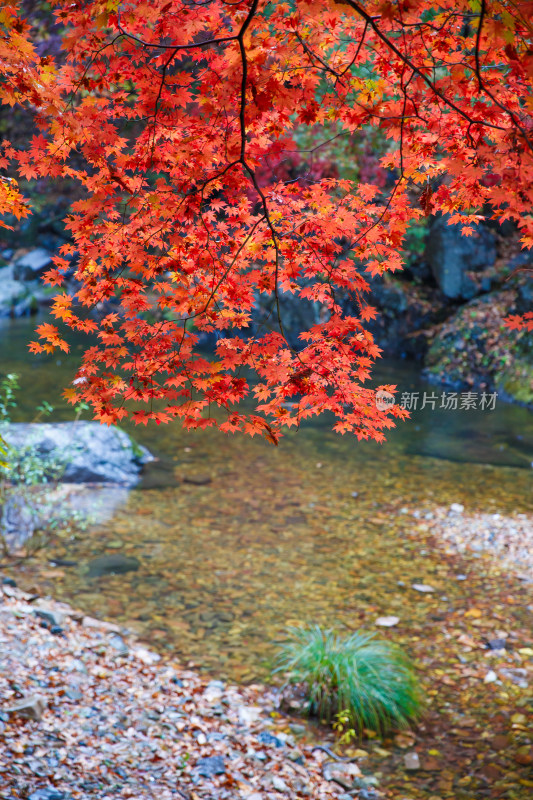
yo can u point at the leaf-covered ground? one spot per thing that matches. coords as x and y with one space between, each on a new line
111 719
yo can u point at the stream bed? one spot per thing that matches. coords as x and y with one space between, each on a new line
234 540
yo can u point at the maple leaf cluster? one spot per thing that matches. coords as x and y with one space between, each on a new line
166 113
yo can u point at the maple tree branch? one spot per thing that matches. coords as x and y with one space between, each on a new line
478 42
244 62
313 55
191 46
483 86
246 166
356 56
406 60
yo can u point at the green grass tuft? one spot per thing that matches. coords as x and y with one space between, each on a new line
371 681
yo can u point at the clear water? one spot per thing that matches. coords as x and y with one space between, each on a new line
277 536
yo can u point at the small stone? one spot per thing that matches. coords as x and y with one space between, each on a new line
9 582
423 587
269 740
118 644
411 761
249 714
457 508
214 691
48 794
496 644
296 728
279 784
490 677
210 766
100 624
516 675
50 615
341 772
146 656
56 630
73 694
366 794
387 622
30 707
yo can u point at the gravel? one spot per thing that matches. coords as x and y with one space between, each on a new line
124 722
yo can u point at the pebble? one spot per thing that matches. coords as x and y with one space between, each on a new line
210 766
118 644
279 784
516 675
423 587
29 707
48 794
411 761
387 622
53 617
119 712
496 644
341 772
271 741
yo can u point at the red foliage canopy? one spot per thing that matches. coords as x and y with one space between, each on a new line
167 113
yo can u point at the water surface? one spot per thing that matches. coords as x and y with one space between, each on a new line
317 530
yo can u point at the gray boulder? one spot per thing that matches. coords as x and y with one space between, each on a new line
87 452
26 510
451 255
13 293
32 265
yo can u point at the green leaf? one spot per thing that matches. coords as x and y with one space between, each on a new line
4 449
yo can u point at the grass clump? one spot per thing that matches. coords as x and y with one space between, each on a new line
370 682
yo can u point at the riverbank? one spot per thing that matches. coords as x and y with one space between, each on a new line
94 714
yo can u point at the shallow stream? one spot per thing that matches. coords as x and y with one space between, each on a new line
266 537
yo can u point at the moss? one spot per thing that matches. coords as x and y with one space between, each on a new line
137 450
517 383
